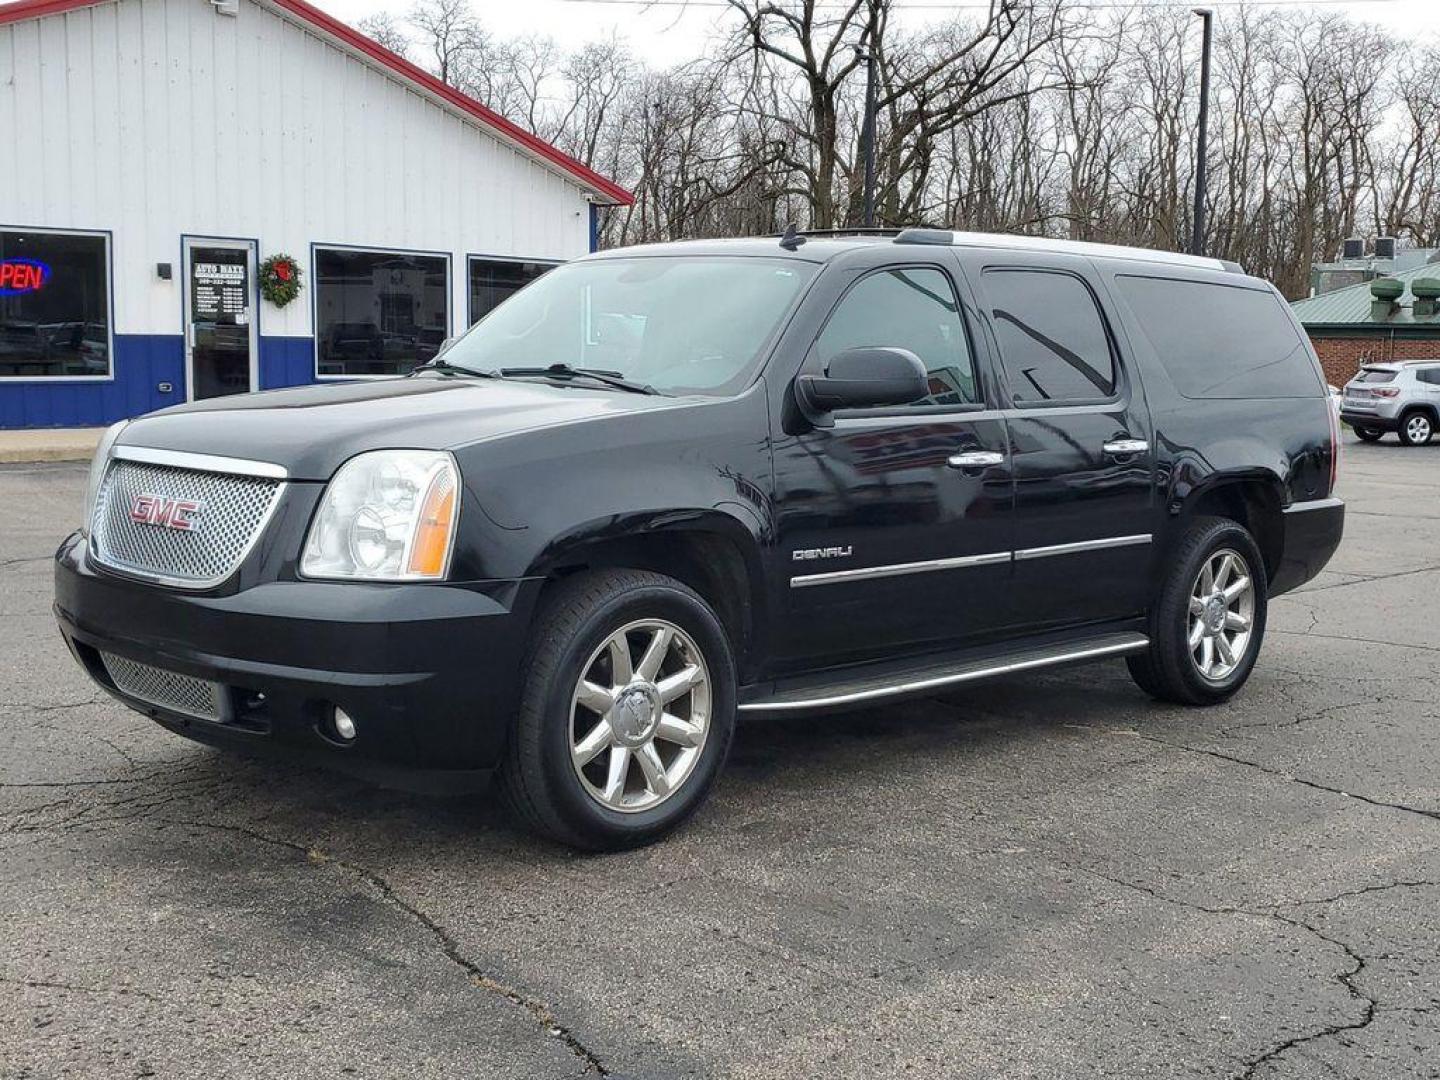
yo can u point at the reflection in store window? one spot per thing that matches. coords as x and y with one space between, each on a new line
54 304
378 312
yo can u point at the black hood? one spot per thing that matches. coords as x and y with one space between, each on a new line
312 430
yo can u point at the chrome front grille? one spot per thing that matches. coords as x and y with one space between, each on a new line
166 689
188 527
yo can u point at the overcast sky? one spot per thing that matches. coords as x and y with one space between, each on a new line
671 31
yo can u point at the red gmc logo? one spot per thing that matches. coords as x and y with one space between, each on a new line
179 514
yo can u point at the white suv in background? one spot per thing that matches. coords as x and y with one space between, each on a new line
1401 397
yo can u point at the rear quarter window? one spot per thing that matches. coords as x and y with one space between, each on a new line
1221 341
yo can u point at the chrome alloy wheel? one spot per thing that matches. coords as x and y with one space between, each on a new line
1418 428
1222 612
640 715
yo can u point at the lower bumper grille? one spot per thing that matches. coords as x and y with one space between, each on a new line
166 689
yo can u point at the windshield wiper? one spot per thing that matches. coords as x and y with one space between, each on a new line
439 364
565 371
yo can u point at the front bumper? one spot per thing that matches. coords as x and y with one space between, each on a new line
1313 530
429 672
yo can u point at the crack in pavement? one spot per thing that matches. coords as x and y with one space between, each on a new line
448 945
43 984
1360 579
33 706
1347 977
25 559
1433 815
1228 732
1349 638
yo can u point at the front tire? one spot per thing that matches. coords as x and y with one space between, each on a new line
1368 434
1416 428
627 711
1208 620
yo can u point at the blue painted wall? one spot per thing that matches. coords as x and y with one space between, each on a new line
286 361
141 363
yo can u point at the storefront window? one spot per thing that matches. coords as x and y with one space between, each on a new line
54 305
378 312
492 281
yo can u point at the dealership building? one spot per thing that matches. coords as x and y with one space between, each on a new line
170 165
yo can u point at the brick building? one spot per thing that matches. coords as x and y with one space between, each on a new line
1391 318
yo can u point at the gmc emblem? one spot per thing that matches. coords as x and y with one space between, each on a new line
182 515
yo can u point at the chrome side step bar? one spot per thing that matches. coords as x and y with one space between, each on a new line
922 679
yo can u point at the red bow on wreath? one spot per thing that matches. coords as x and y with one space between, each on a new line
283 271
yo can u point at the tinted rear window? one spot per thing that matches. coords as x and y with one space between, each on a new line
1375 375
1222 341
1053 341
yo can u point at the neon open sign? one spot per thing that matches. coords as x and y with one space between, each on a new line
21 276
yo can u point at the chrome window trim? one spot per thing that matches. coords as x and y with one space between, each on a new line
1307 505
183 459
1134 643
1082 545
867 573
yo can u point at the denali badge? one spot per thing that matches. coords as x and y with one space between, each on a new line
806 554
179 514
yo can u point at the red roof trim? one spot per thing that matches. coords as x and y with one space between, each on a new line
33 9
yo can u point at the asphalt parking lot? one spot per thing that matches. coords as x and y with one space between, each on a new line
1042 877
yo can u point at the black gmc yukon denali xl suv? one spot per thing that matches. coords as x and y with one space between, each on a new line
667 485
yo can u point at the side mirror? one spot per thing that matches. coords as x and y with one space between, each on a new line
444 345
861 378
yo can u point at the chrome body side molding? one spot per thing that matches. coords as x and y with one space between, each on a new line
870 573
1083 545
866 573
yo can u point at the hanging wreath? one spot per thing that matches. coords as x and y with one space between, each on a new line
280 279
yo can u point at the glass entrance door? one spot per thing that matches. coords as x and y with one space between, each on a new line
220 317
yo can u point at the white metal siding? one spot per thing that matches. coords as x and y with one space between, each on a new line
157 118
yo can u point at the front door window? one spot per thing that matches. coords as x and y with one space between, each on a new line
220 317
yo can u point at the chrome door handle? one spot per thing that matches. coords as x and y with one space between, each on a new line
976 459
1120 447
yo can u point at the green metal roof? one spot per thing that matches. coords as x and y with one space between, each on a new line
1351 306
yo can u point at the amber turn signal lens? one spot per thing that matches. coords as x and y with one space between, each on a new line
437 519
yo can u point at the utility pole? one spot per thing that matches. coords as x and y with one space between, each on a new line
867 127
1197 240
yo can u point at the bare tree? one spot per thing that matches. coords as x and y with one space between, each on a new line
451 35
383 28
1054 117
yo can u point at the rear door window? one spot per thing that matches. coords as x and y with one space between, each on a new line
1053 341
1221 341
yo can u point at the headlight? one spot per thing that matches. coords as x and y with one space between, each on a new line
97 471
387 515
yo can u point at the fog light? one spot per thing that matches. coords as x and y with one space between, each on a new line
344 726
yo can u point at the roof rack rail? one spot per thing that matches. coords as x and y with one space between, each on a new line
943 237
858 230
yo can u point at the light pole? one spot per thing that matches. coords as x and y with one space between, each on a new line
867 126
1197 239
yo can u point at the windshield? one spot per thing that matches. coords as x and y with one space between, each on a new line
686 324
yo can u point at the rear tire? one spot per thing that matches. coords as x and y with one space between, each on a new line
1416 428
627 711
1367 434
1208 620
